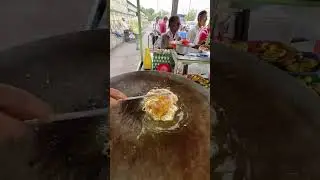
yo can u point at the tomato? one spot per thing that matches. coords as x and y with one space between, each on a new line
164 67
185 42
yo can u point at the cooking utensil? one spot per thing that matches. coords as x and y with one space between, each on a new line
82 114
143 96
70 116
126 128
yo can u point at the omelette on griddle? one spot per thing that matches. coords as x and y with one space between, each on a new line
161 104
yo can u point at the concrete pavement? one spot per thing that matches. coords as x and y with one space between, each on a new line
125 58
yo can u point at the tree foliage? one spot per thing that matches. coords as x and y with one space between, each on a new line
191 16
151 14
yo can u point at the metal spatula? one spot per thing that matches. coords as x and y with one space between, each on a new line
143 96
70 116
82 114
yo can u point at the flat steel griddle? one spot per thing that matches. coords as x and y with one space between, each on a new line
70 72
178 155
274 119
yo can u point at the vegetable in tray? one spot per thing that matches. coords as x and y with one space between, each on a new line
199 79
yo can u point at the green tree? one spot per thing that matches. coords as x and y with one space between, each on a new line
163 13
149 12
191 15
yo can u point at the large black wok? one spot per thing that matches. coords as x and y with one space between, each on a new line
273 118
167 155
70 72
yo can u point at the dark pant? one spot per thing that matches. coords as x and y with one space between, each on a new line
126 35
154 39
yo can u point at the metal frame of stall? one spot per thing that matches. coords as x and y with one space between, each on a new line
243 17
140 30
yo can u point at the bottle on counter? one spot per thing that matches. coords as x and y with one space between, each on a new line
147 62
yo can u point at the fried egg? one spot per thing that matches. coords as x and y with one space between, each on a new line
160 104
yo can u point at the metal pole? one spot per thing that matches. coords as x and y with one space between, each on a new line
189 6
157 5
174 9
140 30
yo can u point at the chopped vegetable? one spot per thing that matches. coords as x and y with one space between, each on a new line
199 79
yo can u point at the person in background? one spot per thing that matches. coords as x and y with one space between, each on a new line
163 25
156 31
134 27
156 27
125 24
204 34
193 34
172 34
126 30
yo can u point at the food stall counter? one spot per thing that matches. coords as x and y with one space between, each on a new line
179 64
183 61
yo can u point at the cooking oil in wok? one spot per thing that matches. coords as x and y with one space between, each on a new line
132 113
153 126
144 148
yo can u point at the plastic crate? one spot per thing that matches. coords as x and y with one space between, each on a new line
160 57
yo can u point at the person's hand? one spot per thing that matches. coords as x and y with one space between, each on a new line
17 105
115 97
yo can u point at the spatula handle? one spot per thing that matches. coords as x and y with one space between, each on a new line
70 116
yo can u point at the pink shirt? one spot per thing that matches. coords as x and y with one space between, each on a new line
204 34
162 27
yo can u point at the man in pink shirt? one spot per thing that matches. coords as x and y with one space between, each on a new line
163 25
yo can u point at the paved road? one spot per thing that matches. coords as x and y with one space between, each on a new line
125 57
27 20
